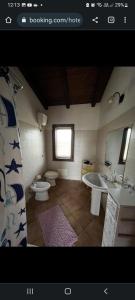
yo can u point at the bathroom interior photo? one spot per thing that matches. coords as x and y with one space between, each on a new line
67 156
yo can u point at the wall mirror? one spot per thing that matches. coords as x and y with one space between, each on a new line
130 162
117 145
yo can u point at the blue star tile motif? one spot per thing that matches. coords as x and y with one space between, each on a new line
15 144
21 211
23 242
13 167
21 228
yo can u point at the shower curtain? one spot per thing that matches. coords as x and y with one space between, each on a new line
13 228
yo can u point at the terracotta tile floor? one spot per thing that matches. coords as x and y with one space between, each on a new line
74 199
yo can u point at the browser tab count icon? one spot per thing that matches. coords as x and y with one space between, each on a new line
111 19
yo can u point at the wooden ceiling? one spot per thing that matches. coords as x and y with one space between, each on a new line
67 85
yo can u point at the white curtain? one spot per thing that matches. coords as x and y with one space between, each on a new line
13 229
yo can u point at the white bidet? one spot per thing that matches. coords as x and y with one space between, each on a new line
41 189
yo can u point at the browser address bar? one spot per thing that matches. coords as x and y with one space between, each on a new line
50 20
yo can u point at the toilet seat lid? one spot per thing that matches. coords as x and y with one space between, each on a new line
40 186
51 174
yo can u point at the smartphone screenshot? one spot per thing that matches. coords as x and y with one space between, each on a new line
67 150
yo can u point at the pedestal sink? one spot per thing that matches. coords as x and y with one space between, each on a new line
97 183
94 180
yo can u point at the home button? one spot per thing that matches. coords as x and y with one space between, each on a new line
67 291
8 20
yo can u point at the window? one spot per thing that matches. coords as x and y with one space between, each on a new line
125 145
63 142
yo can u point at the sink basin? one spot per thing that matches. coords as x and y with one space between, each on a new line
95 181
98 185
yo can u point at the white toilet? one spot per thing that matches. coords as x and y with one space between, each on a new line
51 177
41 188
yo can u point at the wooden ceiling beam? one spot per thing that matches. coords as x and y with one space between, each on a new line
66 88
63 90
93 103
102 78
94 98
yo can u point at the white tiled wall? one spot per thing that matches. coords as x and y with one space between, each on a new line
84 148
122 80
33 153
86 121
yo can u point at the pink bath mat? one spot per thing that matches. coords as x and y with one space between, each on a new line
57 231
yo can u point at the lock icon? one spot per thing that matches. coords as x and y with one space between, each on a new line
23 20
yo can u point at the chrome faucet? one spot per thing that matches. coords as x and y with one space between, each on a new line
125 182
121 177
113 176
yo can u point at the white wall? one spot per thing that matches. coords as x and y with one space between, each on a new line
33 153
27 103
83 116
86 121
113 116
31 139
122 80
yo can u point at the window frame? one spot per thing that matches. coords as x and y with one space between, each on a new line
121 161
54 127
